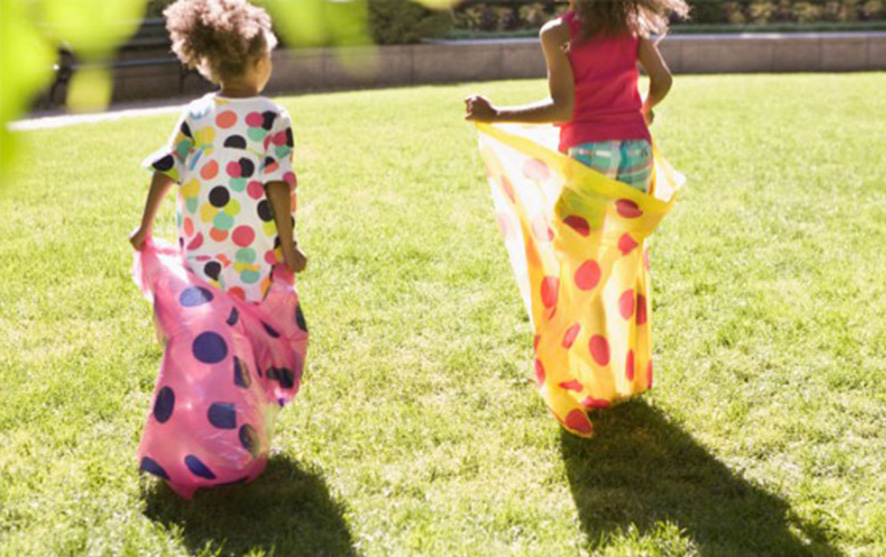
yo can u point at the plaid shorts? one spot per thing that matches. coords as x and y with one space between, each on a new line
630 162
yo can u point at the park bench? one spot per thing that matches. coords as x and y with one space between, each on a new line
150 46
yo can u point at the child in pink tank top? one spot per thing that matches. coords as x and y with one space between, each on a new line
592 54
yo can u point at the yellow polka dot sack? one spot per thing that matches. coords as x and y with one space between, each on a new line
577 244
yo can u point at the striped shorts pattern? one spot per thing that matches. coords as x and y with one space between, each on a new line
630 162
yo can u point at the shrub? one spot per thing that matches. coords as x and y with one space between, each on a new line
559 9
734 13
403 21
785 11
874 9
470 18
705 11
831 11
506 18
848 11
488 19
534 14
391 21
155 7
807 12
762 11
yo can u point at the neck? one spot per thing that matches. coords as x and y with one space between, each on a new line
237 90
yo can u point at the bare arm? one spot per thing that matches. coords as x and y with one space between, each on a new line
558 107
160 185
278 197
660 78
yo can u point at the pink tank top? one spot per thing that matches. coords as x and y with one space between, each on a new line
607 101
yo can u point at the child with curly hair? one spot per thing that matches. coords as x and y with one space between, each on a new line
224 299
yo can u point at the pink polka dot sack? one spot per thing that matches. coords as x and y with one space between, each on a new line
228 367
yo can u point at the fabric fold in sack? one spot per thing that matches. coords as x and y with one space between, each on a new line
577 243
227 368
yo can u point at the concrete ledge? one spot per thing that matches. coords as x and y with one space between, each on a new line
764 53
461 61
844 55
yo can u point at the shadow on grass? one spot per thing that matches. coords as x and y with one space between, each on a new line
286 511
641 471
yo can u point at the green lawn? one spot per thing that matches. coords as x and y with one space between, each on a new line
418 431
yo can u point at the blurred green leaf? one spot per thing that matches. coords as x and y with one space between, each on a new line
300 22
25 68
406 21
358 61
438 4
93 28
90 89
350 20
309 23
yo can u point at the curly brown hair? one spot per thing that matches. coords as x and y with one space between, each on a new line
218 37
614 17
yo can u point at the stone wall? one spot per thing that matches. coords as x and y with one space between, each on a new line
832 52
466 61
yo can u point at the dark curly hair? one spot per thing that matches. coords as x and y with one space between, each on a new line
613 17
218 37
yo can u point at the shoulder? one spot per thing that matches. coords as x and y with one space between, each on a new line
198 109
271 109
281 111
555 32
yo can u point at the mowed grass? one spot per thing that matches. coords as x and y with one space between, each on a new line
417 430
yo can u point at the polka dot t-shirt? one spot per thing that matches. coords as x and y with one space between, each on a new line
222 153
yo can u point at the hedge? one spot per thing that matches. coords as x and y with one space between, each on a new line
507 15
390 21
404 21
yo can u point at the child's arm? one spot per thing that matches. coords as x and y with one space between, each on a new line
279 198
660 79
558 107
160 185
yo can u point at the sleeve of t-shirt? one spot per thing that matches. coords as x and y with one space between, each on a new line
171 160
277 164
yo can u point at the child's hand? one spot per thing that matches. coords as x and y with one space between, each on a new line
138 236
295 259
648 114
479 109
